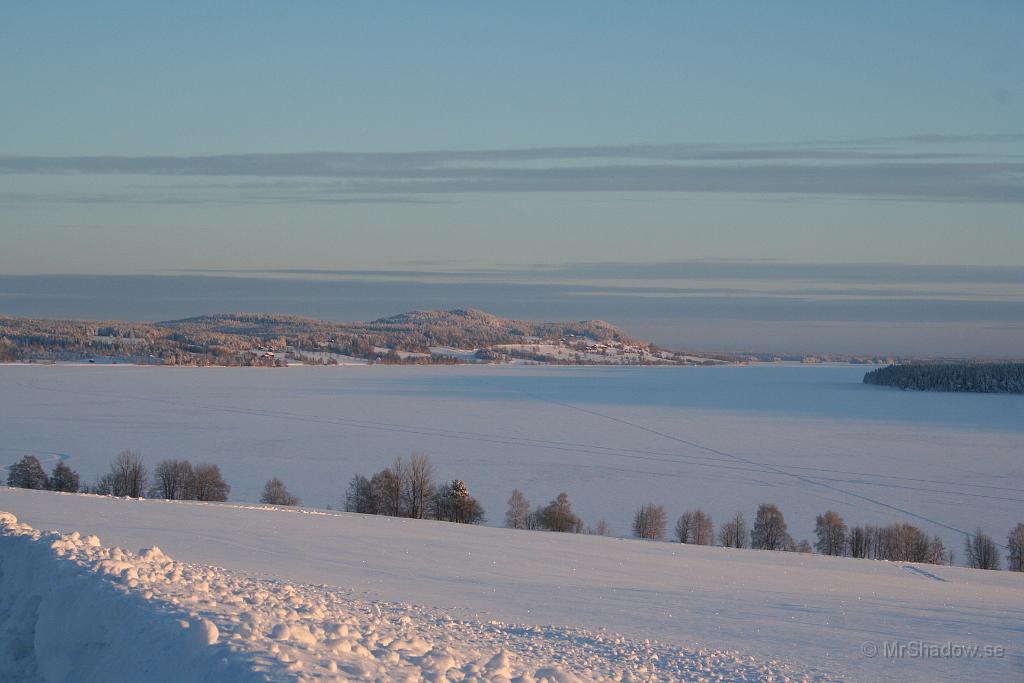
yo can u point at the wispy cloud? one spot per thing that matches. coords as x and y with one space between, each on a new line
926 167
202 196
693 270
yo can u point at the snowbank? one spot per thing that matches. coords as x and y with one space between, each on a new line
72 610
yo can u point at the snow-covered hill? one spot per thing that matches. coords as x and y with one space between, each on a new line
260 339
257 593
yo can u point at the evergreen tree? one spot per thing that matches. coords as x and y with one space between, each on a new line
63 478
27 473
453 503
962 377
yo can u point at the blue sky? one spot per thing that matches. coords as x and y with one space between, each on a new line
364 135
235 77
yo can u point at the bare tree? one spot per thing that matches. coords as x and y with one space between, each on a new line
27 473
400 473
684 527
63 478
703 528
650 521
831 531
904 542
981 551
128 475
770 531
861 541
602 528
890 542
173 480
733 533
1015 546
359 497
918 546
208 484
387 492
899 542
937 553
518 513
418 484
695 526
104 486
535 520
275 493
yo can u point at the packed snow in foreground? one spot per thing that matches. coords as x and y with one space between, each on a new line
73 610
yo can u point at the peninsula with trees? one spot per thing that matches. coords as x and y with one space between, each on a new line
981 378
261 339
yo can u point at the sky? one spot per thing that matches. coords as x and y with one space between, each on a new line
148 138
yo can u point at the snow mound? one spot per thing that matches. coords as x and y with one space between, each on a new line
73 610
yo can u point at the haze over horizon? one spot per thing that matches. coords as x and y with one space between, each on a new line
720 176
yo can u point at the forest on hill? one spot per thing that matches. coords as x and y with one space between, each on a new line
984 378
271 340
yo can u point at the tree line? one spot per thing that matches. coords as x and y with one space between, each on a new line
407 488
557 515
988 378
28 473
898 542
129 477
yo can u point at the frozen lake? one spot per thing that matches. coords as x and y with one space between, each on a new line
808 438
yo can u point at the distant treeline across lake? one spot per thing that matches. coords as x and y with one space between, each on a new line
986 378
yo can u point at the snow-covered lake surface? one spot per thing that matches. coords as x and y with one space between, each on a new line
807 438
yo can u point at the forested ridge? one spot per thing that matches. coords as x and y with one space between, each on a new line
267 339
986 378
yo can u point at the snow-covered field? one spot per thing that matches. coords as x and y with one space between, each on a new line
76 611
240 593
807 438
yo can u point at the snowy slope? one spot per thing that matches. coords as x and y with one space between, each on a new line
814 614
76 611
73 610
